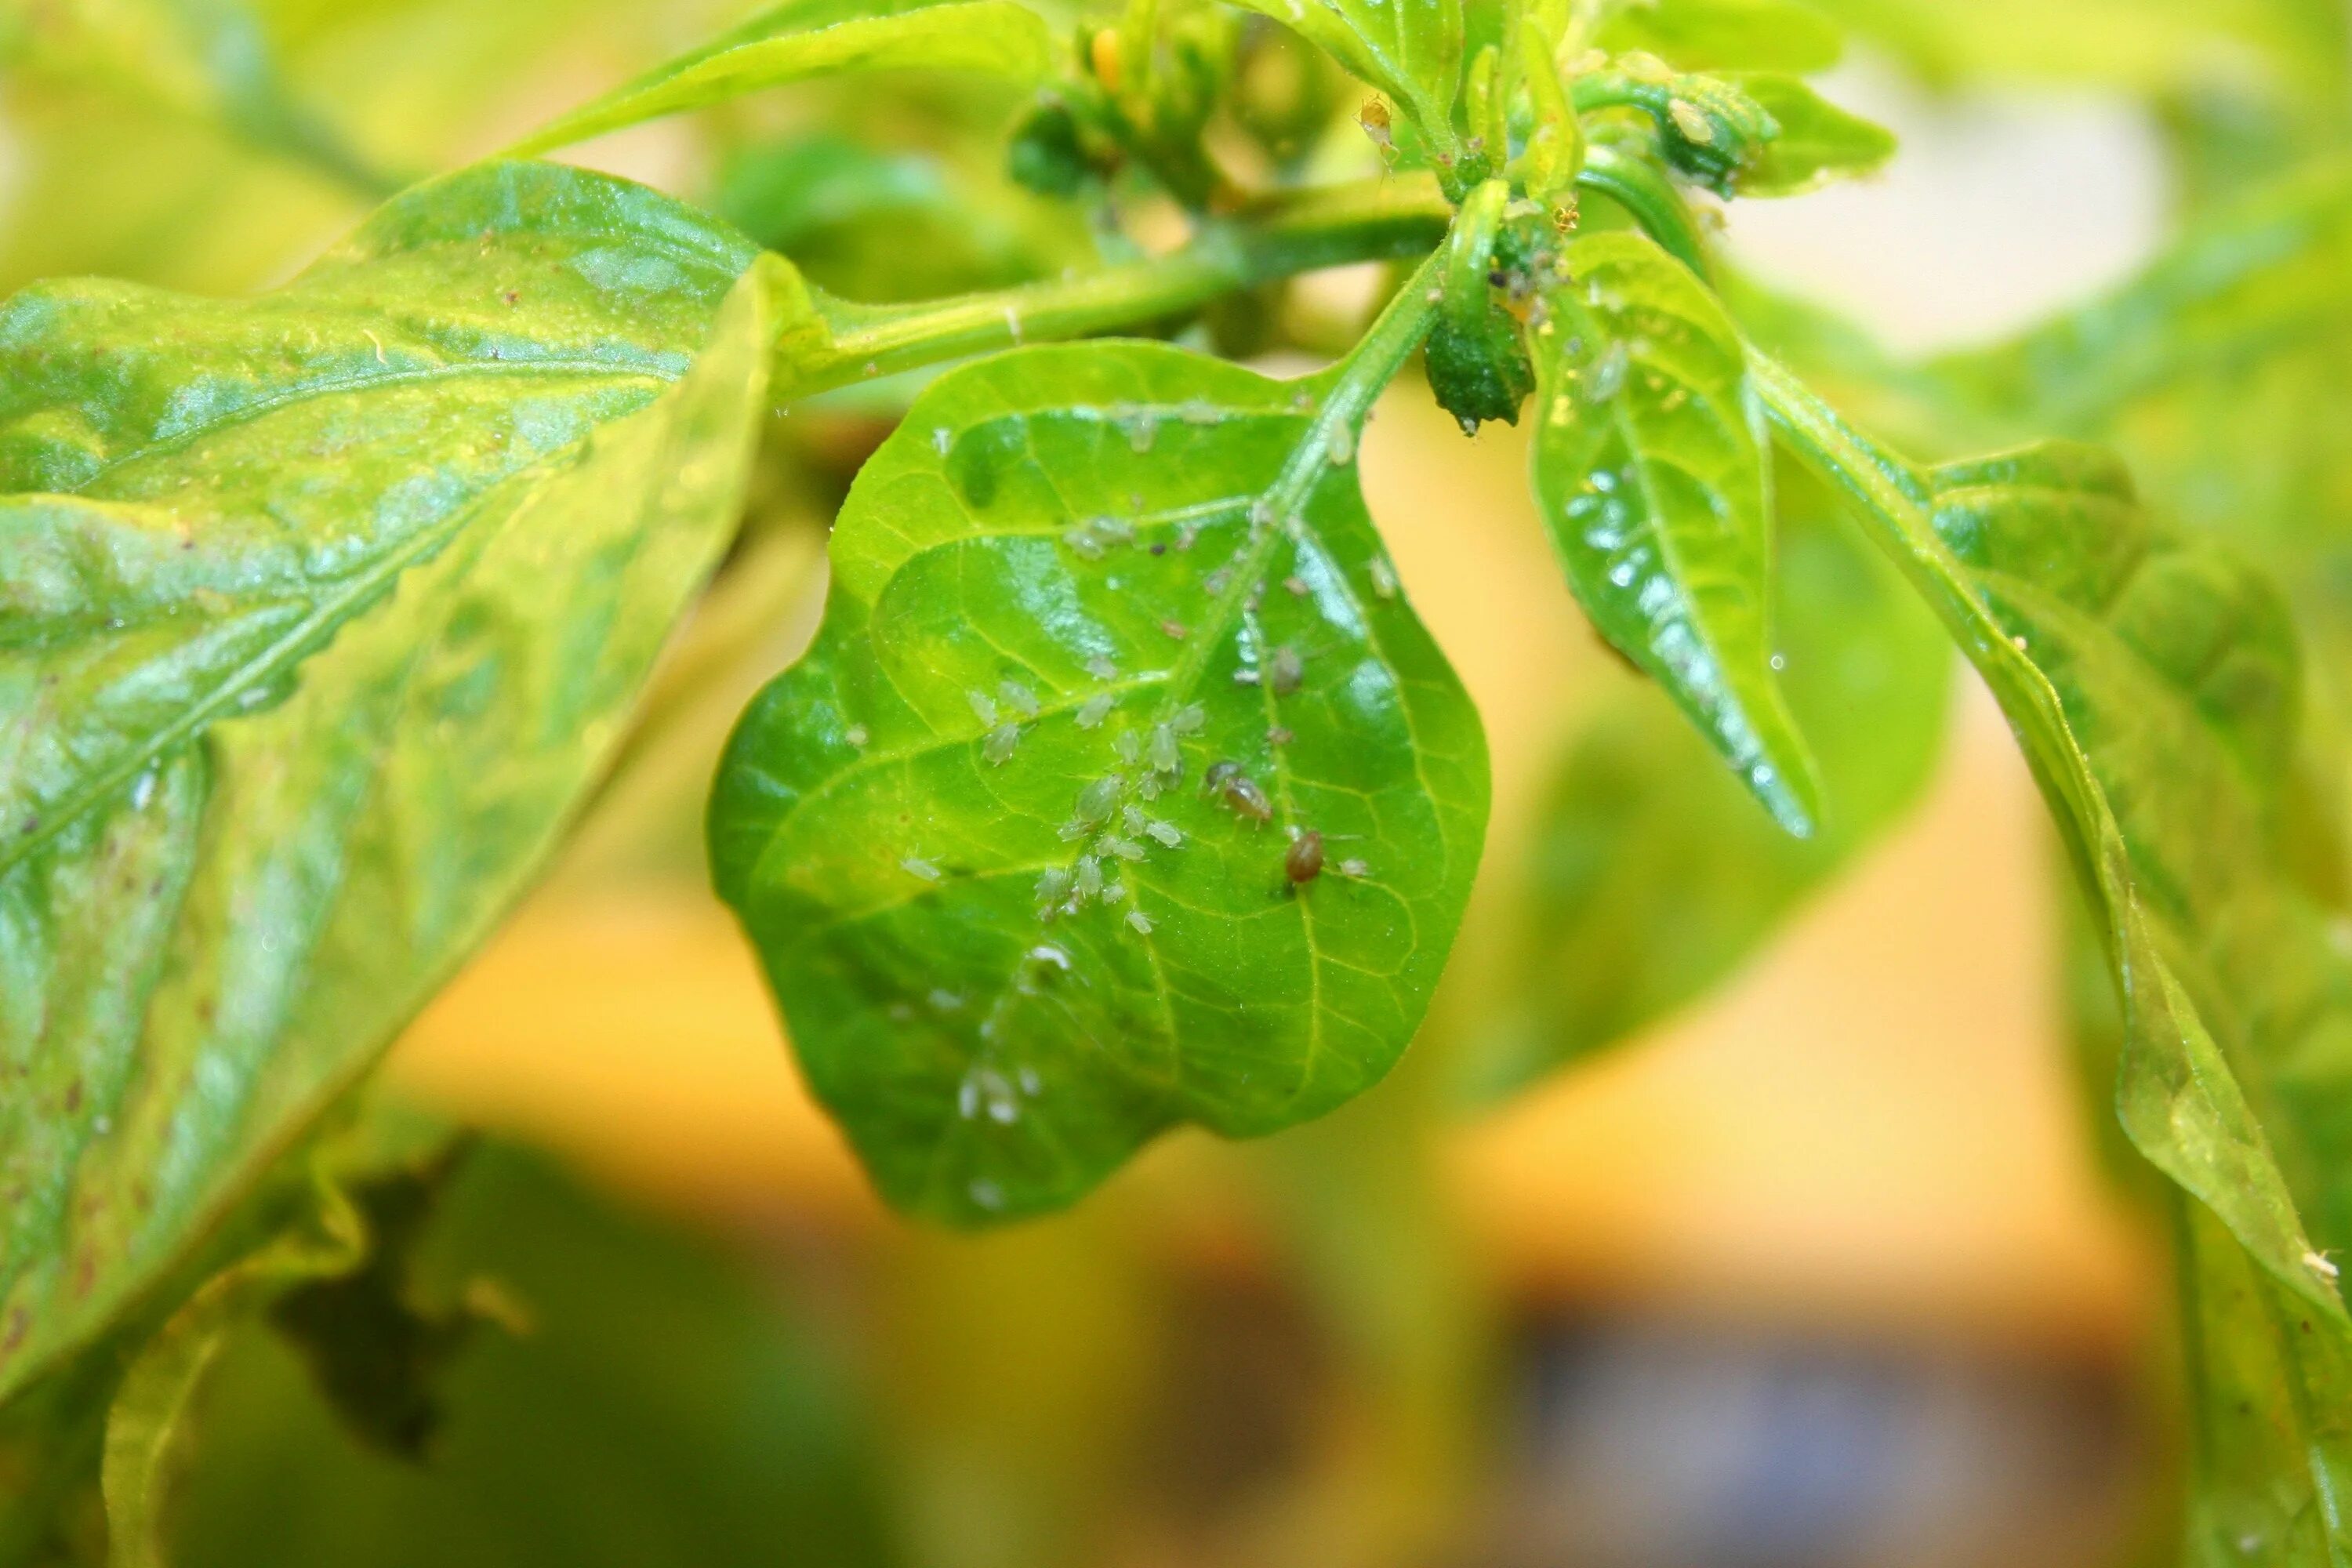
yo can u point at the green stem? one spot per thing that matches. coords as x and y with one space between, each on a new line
1373 221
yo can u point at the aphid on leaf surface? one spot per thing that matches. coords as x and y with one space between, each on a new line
1286 672
1356 869
1239 791
1001 744
1304 862
1095 709
1378 125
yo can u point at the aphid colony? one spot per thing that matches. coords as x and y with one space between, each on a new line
1115 828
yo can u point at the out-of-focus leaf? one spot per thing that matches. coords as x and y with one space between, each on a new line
1650 468
2154 689
322 612
206 60
656 1405
2147 46
1728 35
1654 875
804 38
885 227
1024 842
1410 50
146 1428
1818 143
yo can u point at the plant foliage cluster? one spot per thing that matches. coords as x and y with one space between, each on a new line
1122 789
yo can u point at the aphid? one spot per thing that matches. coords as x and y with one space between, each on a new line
1375 119
1125 849
983 707
1215 582
1130 747
1339 447
1052 887
1240 793
1304 862
1297 586
1140 921
857 735
1141 434
1279 735
1356 869
1189 719
1164 834
1286 672
1695 126
1088 883
1094 801
1018 697
1001 742
1200 411
1083 543
1131 818
1176 629
2318 1264
1385 578
1609 375
916 866
942 438
1113 530
1100 666
1165 756
1245 676
1094 709
1115 893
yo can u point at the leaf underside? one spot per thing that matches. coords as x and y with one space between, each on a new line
321 610
999 838
1650 466
2155 687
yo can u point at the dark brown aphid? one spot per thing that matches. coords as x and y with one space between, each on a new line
1305 861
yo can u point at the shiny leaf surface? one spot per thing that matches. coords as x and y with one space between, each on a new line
1654 875
321 611
1029 843
1650 467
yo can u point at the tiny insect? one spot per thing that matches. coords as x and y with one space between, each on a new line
1239 791
1304 862
1286 672
1377 123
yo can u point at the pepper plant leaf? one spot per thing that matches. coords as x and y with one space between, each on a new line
319 613
1653 875
1650 467
1410 50
2155 687
1817 144
1024 841
802 39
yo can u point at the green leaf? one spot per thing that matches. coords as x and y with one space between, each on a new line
1409 49
206 60
1650 468
147 1426
1652 874
321 611
802 39
1023 841
1727 35
2154 689
1818 143
570 1444
1708 130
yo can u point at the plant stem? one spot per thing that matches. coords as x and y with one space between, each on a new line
1371 221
